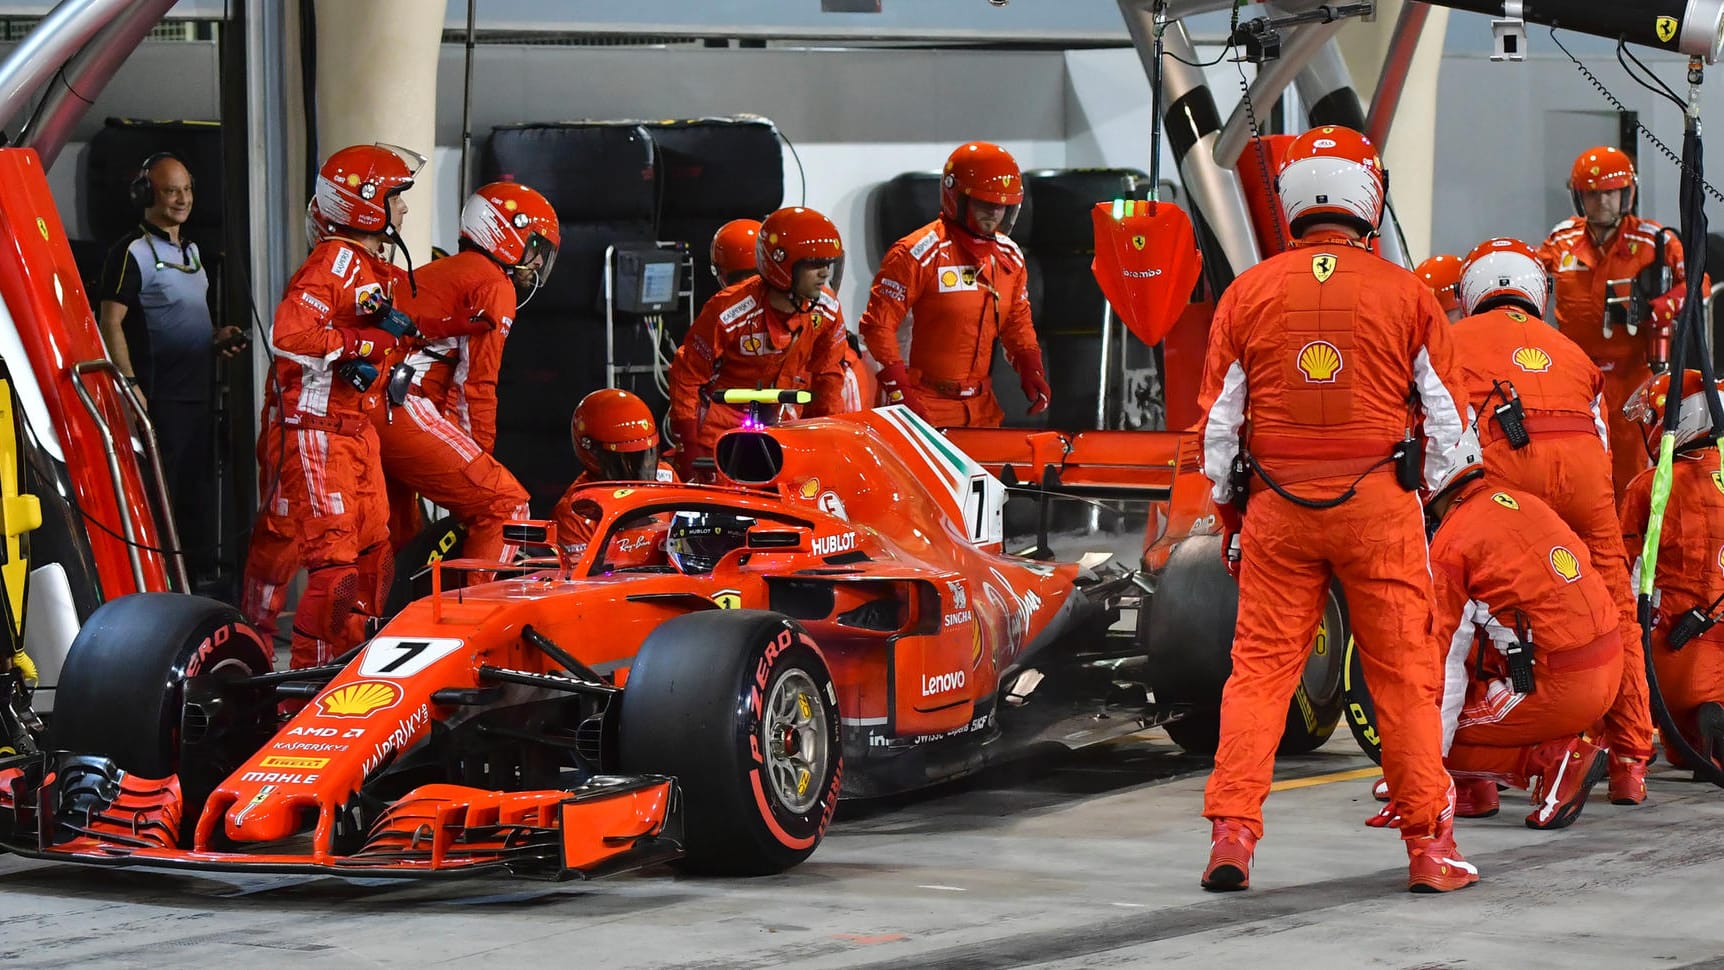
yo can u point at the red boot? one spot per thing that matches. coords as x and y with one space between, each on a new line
1230 849
1627 780
1476 798
1566 770
1435 865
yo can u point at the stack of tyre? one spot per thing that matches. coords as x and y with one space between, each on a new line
616 183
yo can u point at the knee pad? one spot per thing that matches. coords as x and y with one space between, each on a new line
330 596
376 573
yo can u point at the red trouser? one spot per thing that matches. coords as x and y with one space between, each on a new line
431 455
1688 677
980 410
272 558
333 487
1375 545
1570 472
1627 446
1498 728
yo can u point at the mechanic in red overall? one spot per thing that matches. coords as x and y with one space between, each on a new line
1534 649
1602 242
616 440
733 260
1324 347
1538 401
963 283
781 329
331 344
1442 273
438 442
1690 573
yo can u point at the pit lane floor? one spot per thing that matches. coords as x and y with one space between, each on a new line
1085 860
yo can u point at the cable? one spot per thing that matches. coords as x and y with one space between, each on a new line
1657 86
801 175
1261 152
1230 47
1675 159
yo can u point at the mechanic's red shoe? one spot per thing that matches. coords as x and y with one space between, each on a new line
1476 798
1231 846
1627 780
1435 865
1566 771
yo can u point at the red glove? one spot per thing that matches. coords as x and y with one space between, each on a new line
895 384
1231 522
687 448
368 344
1666 307
1035 384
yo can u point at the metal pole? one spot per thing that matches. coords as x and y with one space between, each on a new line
467 107
1397 64
68 27
85 76
1104 372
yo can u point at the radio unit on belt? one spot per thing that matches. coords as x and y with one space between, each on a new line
1510 415
1519 655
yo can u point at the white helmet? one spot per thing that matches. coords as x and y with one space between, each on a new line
1460 464
1332 174
1503 270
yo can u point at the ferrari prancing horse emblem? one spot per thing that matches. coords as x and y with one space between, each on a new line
1667 29
1323 267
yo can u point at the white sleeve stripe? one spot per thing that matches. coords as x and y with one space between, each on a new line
1455 674
1598 420
1221 432
1443 427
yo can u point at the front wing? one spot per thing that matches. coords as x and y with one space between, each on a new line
83 809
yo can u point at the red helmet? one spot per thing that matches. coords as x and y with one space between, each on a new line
984 172
615 437
1649 401
354 185
1442 273
515 226
1602 169
1504 270
791 237
1332 174
733 249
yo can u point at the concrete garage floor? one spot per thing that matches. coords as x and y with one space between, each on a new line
1085 860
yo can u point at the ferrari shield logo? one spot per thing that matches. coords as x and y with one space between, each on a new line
1323 267
1666 29
1138 242
1506 500
728 599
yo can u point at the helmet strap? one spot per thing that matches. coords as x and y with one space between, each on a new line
394 237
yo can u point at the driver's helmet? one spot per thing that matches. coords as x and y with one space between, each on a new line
698 540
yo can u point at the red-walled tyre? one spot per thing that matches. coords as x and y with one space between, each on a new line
739 707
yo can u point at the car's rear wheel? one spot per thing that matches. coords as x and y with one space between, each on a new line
1187 635
739 707
149 684
1361 712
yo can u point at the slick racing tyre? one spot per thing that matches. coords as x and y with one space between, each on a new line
1361 713
440 540
1187 636
739 707
147 683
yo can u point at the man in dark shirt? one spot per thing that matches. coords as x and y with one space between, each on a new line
155 318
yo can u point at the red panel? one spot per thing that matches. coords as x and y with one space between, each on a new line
1257 166
58 330
1182 357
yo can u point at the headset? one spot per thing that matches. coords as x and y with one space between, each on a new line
141 192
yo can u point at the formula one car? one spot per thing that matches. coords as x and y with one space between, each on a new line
701 683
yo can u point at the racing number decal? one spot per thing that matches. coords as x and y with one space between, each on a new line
728 599
396 657
976 509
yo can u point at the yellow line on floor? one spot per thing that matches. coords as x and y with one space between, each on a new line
1315 780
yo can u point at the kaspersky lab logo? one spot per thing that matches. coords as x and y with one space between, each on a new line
1320 362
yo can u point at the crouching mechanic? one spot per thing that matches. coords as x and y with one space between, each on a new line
1534 651
1687 650
1324 346
780 329
616 440
334 331
963 283
1538 401
437 441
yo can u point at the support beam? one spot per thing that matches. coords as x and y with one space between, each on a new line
1266 89
86 75
61 34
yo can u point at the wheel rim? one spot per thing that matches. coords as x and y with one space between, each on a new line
793 736
1322 676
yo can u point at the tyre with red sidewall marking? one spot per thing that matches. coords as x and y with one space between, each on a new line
143 685
739 707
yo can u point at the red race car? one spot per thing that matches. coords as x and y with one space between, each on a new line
702 682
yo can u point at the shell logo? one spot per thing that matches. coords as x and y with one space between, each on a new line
510 204
1721 559
811 488
949 278
1320 362
1565 563
1532 360
359 699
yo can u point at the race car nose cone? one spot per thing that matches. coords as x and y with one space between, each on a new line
271 813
